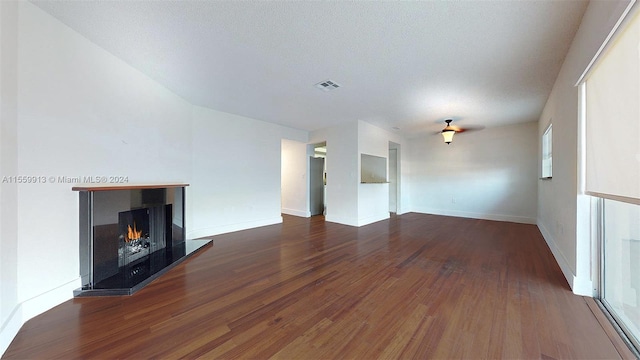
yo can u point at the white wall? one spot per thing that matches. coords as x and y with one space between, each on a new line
373 199
236 172
348 201
80 112
488 174
342 171
294 197
394 172
69 108
559 218
9 322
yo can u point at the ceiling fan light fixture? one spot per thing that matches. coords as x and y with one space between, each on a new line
448 132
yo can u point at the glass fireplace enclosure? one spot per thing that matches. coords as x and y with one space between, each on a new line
127 236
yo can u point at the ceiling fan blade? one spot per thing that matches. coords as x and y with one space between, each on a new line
470 128
459 129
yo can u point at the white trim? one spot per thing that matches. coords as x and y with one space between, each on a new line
10 329
54 297
546 168
596 245
482 216
35 306
371 219
222 229
624 199
605 43
582 138
341 220
580 285
557 254
584 281
295 212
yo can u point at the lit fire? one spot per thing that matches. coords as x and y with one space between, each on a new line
132 233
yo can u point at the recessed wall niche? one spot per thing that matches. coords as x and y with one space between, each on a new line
373 169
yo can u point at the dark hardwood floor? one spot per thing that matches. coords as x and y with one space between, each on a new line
415 286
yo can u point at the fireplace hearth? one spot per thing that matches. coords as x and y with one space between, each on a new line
130 235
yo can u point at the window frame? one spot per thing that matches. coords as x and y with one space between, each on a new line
546 168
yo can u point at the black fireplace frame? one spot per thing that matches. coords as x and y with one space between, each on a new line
102 270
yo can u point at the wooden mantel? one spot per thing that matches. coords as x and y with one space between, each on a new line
125 186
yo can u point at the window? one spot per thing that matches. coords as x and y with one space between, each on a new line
620 290
547 153
612 173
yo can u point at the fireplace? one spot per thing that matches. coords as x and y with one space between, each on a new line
130 235
134 240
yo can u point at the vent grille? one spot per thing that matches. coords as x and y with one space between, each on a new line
327 85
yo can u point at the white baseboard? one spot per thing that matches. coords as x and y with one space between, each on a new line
579 284
582 286
341 220
482 216
35 306
371 219
227 228
356 222
10 328
294 212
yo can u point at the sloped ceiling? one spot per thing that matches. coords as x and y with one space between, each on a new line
405 65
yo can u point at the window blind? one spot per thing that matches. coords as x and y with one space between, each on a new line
613 119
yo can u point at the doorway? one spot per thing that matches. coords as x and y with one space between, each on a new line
394 183
317 179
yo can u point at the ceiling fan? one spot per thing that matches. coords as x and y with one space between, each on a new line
450 130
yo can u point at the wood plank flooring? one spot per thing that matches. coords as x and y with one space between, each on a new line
414 286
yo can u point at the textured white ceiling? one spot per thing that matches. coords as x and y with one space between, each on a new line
401 64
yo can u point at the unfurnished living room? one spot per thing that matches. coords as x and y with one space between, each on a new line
320 179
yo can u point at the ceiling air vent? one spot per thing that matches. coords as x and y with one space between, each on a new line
327 85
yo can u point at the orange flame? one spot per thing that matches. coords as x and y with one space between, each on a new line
133 233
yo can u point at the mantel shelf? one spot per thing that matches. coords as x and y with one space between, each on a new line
109 187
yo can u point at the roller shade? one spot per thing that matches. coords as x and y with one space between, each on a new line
613 119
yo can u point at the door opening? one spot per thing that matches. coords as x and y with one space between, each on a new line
317 179
394 184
